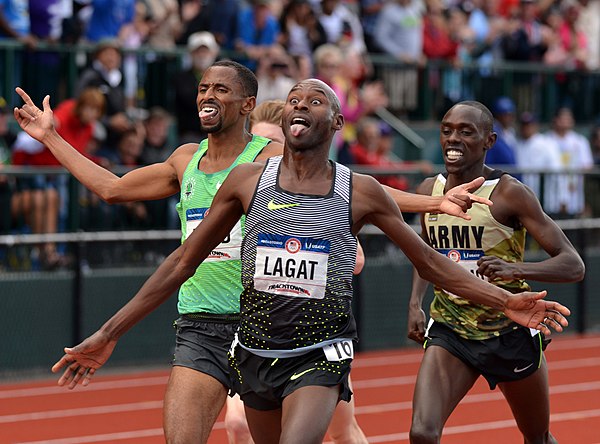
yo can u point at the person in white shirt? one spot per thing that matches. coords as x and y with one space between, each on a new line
535 151
565 192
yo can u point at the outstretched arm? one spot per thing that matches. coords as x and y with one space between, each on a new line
147 183
371 205
455 202
83 360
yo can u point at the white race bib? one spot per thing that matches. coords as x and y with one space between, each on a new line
466 259
338 351
229 249
291 265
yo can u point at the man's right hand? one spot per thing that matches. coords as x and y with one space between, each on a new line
35 122
83 360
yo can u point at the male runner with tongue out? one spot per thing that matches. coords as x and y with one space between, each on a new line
208 300
296 329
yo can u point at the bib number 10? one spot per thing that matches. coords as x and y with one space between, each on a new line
338 351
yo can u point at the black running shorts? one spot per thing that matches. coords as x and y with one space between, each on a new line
511 356
265 382
203 345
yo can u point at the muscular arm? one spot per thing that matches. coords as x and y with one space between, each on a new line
180 265
455 202
84 359
372 205
147 183
516 202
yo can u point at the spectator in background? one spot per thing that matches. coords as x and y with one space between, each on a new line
107 19
42 199
15 25
342 26
439 44
276 74
219 17
369 14
258 30
156 147
589 24
7 184
358 96
524 41
503 151
592 186
535 150
399 33
595 143
203 51
488 27
372 148
564 196
46 18
105 74
343 72
301 34
575 47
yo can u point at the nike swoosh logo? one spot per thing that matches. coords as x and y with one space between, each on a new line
273 206
519 370
297 375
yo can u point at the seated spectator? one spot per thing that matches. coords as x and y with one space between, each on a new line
41 199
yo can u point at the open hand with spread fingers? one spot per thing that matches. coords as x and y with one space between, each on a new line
531 310
83 360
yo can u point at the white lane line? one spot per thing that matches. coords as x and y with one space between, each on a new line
68 413
486 426
111 437
94 386
360 410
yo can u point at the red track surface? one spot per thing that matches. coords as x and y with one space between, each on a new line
126 408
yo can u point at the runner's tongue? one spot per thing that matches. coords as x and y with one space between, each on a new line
297 129
207 113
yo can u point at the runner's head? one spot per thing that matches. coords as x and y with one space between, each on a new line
226 94
311 115
466 134
265 120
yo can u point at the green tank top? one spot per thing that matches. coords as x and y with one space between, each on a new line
216 286
465 242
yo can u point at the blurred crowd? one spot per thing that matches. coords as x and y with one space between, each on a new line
110 119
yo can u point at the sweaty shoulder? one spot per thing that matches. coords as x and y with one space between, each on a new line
271 150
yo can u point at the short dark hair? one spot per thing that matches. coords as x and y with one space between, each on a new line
487 119
246 76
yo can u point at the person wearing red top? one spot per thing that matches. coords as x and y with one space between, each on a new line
38 199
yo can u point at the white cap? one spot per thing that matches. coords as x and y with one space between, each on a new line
203 38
